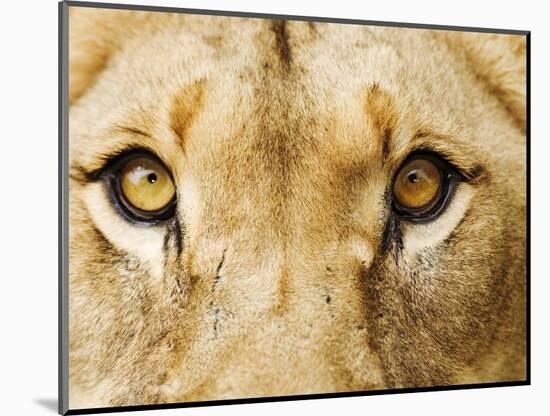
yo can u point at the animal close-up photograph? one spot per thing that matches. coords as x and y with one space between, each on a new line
271 207
279 207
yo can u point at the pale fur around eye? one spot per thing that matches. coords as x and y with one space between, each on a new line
143 242
417 237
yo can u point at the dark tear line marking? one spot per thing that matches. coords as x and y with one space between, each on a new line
174 230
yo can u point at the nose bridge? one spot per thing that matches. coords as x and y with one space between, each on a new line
255 280
275 238
277 265
278 295
272 320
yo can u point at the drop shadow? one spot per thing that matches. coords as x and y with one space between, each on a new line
49 404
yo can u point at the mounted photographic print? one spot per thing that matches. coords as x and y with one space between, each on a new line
262 208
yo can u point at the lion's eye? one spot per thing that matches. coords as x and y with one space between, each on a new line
422 187
143 188
146 185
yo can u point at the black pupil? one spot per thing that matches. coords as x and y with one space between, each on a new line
152 178
412 177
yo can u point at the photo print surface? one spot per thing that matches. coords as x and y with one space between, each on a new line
266 207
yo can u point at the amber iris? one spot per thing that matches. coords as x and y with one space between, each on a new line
417 185
146 184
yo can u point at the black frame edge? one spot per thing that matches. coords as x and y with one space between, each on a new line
165 406
166 9
528 207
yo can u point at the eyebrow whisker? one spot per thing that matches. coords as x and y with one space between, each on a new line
131 130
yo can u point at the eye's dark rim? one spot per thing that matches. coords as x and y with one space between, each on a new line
449 180
111 177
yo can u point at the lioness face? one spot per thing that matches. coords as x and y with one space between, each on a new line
292 259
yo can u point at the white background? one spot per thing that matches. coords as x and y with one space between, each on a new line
28 204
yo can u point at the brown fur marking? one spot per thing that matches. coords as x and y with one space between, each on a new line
186 106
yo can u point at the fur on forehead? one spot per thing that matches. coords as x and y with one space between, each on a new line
96 34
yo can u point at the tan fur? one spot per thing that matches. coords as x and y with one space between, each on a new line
500 63
278 275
